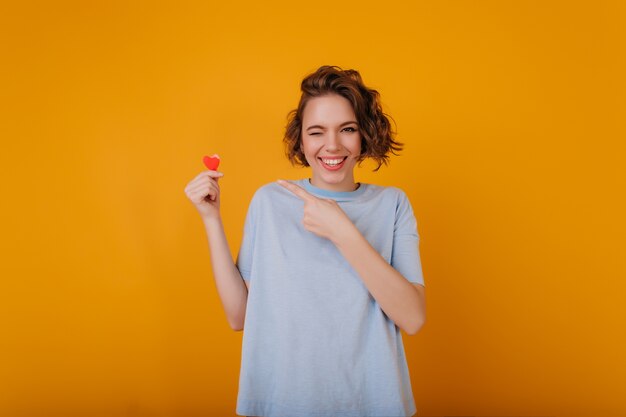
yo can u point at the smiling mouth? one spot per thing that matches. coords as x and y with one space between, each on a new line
335 164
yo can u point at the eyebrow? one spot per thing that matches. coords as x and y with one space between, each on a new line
322 127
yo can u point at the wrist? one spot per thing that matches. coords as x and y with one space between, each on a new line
211 220
346 236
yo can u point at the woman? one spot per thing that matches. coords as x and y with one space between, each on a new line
329 269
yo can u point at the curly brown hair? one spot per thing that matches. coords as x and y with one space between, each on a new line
377 137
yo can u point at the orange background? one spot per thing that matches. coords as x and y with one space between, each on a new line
513 118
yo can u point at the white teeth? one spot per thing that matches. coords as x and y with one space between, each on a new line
332 162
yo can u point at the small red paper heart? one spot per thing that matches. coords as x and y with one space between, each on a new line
211 162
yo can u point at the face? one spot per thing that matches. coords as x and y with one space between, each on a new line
331 142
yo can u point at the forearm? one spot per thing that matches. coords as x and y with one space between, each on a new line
230 285
397 297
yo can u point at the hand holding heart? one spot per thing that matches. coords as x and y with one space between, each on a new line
322 216
204 190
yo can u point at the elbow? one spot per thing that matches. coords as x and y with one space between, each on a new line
237 319
236 326
415 328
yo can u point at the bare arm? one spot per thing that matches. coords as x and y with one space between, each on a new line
402 301
231 287
204 192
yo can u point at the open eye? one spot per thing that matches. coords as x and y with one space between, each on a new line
353 129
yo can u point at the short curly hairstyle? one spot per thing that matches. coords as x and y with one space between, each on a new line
377 137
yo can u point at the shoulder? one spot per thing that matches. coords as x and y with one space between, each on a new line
388 192
267 190
396 191
267 194
397 200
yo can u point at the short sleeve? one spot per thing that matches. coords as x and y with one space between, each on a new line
405 256
245 256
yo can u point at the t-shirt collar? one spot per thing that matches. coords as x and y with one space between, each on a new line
336 195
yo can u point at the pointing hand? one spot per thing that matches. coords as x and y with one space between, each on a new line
322 216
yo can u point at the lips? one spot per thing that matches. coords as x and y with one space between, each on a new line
333 167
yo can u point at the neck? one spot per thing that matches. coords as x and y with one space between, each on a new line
341 187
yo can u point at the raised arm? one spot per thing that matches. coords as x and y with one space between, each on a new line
230 285
204 193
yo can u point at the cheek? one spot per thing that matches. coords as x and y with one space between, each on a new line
355 145
309 153
305 147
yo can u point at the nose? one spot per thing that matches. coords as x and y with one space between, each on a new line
333 142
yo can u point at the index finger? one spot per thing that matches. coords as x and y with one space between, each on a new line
211 174
297 190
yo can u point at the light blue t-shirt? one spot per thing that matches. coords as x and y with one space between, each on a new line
315 342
